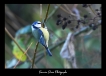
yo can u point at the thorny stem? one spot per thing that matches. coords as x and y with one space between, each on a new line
22 55
38 42
18 44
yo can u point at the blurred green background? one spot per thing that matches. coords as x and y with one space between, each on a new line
18 16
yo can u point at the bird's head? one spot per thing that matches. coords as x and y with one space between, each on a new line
35 25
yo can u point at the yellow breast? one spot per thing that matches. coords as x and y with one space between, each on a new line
46 34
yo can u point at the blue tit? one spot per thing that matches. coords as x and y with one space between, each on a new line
41 34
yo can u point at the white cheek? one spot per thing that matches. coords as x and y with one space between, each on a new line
38 25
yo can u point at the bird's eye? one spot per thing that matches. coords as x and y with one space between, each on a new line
39 23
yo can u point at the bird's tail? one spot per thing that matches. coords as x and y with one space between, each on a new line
48 51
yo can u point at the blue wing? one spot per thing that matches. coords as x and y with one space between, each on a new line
38 34
42 40
40 37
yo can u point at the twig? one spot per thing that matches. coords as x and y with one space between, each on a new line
38 42
13 39
45 21
11 18
22 55
63 9
35 54
46 15
50 15
69 10
41 17
18 44
51 48
91 9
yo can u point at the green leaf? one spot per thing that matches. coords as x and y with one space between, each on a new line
17 52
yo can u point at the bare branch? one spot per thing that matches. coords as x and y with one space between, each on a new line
35 54
38 42
69 10
22 55
17 44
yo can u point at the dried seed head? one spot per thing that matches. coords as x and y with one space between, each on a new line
59 15
64 26
94 27
96 9
83 22
69 21
85 5
58 22
64 18
79 21
77 26
85 16
91 25
98 13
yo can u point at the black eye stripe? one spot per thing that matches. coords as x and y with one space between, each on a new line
39 23
34 27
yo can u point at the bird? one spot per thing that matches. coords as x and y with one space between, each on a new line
41 34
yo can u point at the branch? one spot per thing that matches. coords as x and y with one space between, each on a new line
35 53
69 10
92 9
51 48
38 42
18 44
63 9
22 55
55 9
46 15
